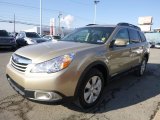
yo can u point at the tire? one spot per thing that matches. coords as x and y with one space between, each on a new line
91 89
141 69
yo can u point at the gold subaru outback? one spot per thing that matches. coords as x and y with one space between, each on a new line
79 65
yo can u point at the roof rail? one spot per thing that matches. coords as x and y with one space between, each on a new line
128 24
91 24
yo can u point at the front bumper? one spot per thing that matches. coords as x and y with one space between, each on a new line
35 95
8 45
38 86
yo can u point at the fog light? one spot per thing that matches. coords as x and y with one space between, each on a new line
47 96
43 95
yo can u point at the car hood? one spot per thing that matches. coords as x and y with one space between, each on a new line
38 38
48 50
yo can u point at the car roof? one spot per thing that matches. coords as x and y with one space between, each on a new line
96 25
118 25
4 30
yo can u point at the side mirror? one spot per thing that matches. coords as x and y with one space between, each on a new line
112 44
120 43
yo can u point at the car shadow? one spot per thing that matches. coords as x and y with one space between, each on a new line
126 91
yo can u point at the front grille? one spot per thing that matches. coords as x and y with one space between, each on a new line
19 67
20 63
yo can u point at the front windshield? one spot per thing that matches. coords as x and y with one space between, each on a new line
32 35
94 35
4 33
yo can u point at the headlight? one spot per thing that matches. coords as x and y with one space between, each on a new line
54 65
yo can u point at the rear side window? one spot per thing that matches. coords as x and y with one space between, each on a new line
143 38
134 36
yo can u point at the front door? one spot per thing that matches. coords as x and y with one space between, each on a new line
119 57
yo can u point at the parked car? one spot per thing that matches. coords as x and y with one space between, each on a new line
28 38
52 37
153 38
80 65
6 41
157 45
152 44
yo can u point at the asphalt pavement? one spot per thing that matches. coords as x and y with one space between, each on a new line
126 98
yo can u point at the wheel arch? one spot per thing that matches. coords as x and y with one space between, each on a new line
101 66
146 55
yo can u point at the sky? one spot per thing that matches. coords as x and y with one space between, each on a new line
81 12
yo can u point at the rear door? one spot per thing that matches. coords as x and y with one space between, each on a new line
136 47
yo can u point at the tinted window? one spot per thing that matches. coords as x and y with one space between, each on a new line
32 35
47 37
57 37
94 35
122 34
134 36
4 33
143 38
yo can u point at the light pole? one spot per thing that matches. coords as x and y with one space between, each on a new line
95 10
59 19
14 30
40 17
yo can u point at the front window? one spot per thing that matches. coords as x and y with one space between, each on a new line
122 35
32 35
94 35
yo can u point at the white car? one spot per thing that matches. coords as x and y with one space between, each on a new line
28 38
52 37
157 45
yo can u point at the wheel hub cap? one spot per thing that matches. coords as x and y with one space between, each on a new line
92 89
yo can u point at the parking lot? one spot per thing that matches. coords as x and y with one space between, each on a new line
126 98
